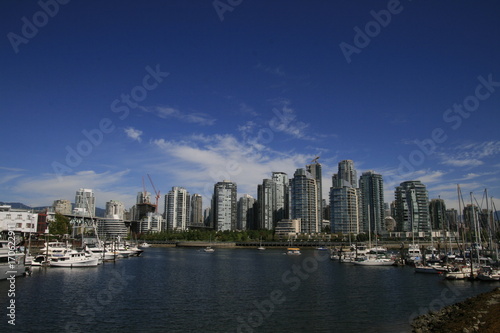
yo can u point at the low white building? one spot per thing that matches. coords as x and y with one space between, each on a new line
17 220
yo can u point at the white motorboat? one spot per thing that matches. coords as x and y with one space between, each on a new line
414 254
427 269
209 249
379 260
144 245
11 261
74 258
487 273
460 273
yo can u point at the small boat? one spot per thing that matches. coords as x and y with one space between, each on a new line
293 251
374 261
74 258
209 249
322 248
261 248
488 274
144 245
11 261
427 269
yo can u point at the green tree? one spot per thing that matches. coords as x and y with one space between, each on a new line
60 226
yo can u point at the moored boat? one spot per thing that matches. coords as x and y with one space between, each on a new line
293 251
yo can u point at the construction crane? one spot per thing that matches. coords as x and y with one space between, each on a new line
157 193
315 160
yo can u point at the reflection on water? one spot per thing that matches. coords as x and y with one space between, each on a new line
231 290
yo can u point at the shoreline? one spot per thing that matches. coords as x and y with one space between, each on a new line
475 314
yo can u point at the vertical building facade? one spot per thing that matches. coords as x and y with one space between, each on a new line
304 201
371 189
115 210
85 201
246 216
224 206
315 171
62 206
437 212
196 210
412 207
266 198
345 207
282 199
177 208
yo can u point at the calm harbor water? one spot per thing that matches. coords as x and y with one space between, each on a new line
231 290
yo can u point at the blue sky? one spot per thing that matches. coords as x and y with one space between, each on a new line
98 94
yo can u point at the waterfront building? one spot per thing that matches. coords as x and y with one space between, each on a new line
207 217
111 227
288 229
266 199
304 201
85 202
62 206
177 208
282 199
412 207
196 210
115 210
437 212
346 175
315 170
17 220
371 189
246 216
390 223
224 206
151 223
345 206
451 219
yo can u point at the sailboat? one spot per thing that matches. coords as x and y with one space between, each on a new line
261 248
374 259
209 249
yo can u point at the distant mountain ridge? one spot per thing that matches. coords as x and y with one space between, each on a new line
99 212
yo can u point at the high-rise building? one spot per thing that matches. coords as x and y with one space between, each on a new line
437 212
315 171
62 206
371 189
344 210
347 175
345 206
143 197
304 201
412 207
224 206
177 208
266 198
85 202
196 210
115 209
246 215
282 200
451 219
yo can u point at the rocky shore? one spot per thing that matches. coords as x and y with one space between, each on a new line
476 314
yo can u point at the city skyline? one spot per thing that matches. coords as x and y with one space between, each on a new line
193 96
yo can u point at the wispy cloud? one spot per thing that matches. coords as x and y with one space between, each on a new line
470 154
166 112
133 133
199 162
43 190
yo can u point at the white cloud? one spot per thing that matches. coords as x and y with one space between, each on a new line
133 133
462 162
169 112
43 190
198 165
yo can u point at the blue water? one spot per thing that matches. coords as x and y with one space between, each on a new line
231 290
